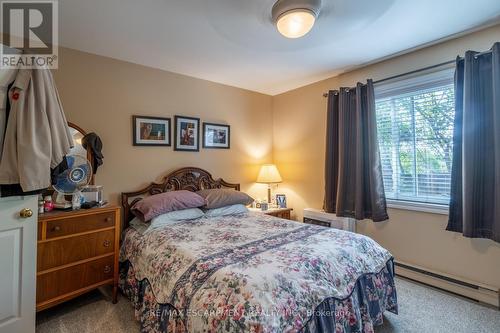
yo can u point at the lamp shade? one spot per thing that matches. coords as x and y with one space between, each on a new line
269 174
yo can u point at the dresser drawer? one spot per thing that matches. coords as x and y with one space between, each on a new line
39 230
73 225
67 250
71 279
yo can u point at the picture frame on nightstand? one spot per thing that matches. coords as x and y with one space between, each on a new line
281 200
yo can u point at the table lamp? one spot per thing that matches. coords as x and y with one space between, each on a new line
269 174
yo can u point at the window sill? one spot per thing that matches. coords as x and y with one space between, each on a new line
418 206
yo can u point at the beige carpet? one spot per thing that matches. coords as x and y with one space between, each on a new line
421 309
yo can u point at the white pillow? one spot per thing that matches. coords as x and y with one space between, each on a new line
175 216
138 225
166 219
226 210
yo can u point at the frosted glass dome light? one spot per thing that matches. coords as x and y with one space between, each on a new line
295 18
296 23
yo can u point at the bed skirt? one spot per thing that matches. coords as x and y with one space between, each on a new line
360 312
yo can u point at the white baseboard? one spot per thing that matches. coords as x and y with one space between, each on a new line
477 291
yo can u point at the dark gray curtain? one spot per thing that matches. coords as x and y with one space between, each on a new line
475 178
353 174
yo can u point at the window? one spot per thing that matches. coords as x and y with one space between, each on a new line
415 131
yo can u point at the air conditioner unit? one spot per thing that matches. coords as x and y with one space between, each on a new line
320 217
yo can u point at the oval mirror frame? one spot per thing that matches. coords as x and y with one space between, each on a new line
78 133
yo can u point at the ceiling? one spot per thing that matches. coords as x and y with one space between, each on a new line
234 42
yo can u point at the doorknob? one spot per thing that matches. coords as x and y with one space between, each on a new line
25 213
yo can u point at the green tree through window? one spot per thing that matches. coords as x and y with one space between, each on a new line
415 132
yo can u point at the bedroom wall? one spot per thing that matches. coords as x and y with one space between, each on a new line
413 237
101 94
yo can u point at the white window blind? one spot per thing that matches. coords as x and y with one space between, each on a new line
415 130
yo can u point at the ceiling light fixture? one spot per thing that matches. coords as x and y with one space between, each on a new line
295 18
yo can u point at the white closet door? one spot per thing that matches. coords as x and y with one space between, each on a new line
18 264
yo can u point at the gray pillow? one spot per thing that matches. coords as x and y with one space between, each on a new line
216 198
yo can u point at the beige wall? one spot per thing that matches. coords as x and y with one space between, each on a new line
413 237
101 94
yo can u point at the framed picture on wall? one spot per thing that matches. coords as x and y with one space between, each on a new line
151 131
187 133
217 136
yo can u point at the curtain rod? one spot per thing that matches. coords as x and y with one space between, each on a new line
422 69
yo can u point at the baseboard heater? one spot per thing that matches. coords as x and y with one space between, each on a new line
472 290
330 220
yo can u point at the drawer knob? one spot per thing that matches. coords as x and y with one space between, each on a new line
106 243
107 269
56 228
107 219
26 213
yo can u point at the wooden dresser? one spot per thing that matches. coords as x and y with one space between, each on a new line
77 252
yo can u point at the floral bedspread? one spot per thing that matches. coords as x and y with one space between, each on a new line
255 273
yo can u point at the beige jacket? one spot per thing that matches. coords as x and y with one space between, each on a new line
37 136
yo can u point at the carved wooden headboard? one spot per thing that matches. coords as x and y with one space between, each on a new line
190 178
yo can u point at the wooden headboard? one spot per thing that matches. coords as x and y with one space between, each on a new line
190 178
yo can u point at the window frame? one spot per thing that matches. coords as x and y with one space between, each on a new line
411 83
418 206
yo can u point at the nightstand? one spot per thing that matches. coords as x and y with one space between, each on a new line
77 252
284 213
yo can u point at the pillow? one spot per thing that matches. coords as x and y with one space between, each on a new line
138 225
226 210
217 198
162 203
175 216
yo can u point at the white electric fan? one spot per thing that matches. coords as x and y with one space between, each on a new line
71 182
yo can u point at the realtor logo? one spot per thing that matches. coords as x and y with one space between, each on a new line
30 31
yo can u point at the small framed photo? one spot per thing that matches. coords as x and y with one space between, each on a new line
151 131
281 200
216 136
187 133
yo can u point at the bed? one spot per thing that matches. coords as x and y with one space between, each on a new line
250 272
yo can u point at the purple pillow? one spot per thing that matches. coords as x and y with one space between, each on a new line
155 205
